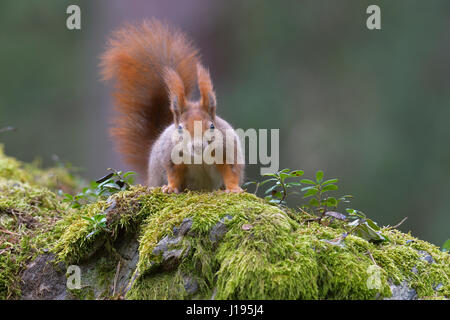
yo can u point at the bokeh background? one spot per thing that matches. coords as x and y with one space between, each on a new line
369 107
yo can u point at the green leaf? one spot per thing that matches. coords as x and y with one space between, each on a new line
366 232
129 173
76 205
271 200
111 186
101 185
319 176
296 173
330 181
270 175
314 202
373 224
268 180
249 183
69 197
331 202
310 192
93 184
355 223
308 188
330 187
293 184
277 194
346 198
355 213
307 181
99 216
272 188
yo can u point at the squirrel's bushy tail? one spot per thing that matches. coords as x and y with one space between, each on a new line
136 59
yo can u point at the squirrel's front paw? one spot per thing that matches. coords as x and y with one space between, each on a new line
236 189
169 189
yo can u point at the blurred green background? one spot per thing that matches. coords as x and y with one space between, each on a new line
369 107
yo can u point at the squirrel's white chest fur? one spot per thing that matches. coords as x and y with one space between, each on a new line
202 177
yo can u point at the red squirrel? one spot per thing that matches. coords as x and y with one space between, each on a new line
156 70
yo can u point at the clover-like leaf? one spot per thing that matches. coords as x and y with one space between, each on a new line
331 202
310 193
129 173
319 176
330 181
296 173
271 189
330 187
368 233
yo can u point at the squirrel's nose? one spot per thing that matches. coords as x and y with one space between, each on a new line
197 146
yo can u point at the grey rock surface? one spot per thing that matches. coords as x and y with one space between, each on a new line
42 280
425 256
402 292
219 230
170 247
190 285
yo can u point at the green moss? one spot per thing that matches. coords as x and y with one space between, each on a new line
267 252
74 243
162 286
86 293
105 271
269 261
28 211
27 214
273 257
56 178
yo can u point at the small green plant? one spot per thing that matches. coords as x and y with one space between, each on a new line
87 195
279 190
114 182
360 225
363 226
104 187
320 202
97 223
318 192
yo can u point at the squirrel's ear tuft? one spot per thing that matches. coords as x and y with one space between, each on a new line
207 94
177 94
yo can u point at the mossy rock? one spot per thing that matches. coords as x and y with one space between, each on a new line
221 246
29 209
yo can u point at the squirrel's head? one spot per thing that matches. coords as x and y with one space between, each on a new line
187 114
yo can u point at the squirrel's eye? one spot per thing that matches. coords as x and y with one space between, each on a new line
180 127
212 126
